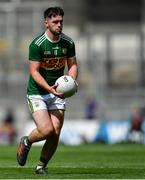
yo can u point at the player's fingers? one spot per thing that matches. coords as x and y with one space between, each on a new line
60 95
54 86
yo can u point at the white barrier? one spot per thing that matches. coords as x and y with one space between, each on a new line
79 131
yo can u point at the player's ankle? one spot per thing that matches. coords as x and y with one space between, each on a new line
28 141
43 162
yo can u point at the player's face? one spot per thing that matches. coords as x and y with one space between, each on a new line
54 24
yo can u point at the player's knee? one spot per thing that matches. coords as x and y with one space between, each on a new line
47 131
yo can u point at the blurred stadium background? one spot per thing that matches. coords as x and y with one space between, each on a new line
110 46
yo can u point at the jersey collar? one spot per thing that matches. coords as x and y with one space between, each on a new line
52 40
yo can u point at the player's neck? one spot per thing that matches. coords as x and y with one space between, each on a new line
51 36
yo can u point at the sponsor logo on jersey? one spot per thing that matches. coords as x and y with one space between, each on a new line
53 63
47 52
55 47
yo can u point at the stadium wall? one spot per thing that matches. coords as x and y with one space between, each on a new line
80 131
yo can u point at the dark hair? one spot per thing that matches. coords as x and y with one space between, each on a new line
53 11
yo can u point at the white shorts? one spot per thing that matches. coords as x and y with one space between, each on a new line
49 102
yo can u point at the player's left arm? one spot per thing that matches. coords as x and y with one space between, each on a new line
72 67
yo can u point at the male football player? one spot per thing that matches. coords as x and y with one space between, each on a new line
48 55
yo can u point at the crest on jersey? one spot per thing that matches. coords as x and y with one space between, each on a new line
64 50
37 103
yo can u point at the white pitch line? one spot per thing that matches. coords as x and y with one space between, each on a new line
13 166
51 166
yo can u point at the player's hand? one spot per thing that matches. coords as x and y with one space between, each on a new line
53 91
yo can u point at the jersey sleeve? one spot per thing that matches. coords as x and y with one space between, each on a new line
34 52
71 50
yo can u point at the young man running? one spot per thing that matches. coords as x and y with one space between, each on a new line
48 55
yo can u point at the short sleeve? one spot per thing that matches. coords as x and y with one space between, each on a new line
71 50
34 52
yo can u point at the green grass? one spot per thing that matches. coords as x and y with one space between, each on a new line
122 161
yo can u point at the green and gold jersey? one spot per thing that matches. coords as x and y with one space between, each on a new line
52 56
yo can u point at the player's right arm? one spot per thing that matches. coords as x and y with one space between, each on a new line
34 67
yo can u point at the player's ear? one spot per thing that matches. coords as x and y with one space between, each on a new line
46 24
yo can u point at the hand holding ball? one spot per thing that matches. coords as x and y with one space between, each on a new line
66 85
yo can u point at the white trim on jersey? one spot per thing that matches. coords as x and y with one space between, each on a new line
51 40
39 39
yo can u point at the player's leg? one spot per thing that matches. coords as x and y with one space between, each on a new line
57 117
44 127
49 148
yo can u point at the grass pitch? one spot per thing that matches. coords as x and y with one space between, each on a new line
122 161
